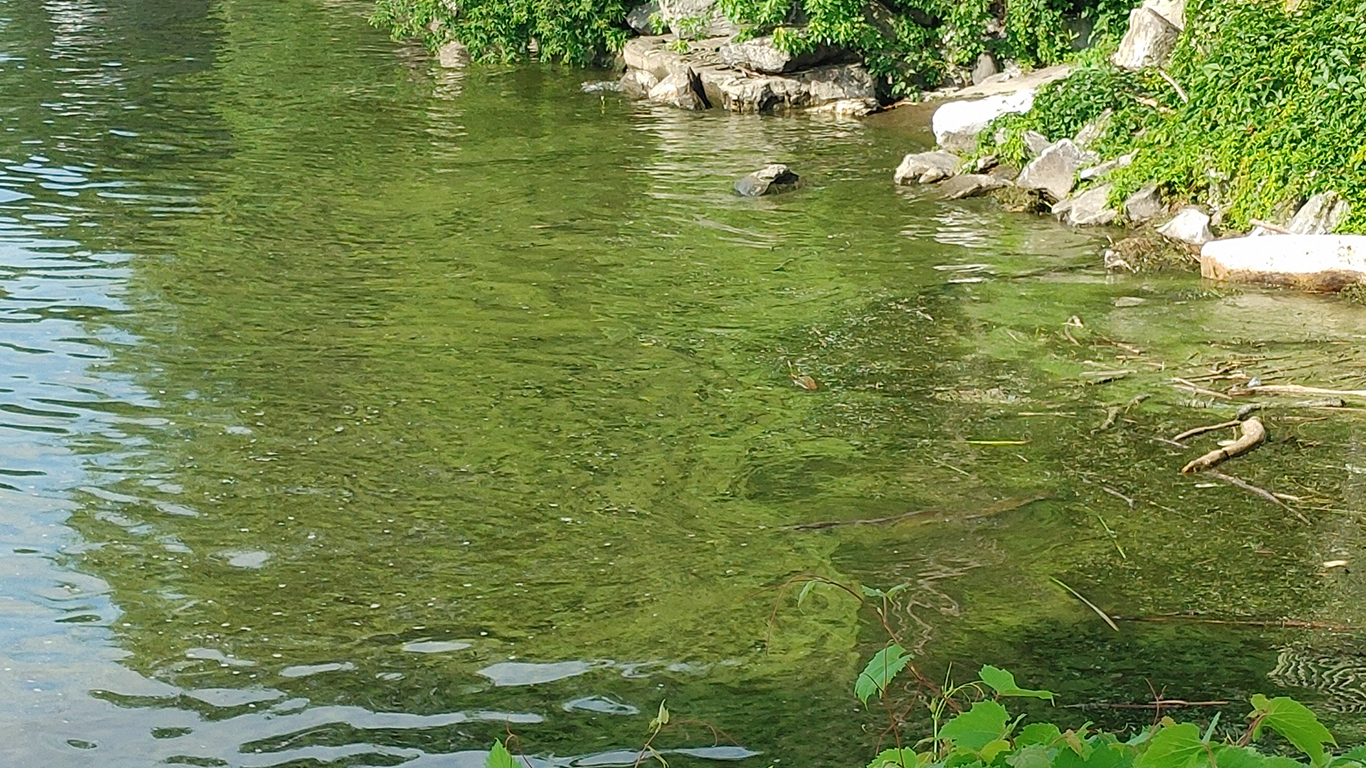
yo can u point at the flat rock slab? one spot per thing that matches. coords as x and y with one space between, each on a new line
927 167
1310 262
971 185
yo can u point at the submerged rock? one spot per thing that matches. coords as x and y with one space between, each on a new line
1054 171
1190 225
769 180
971 185
1312 262
1320 215
927 167
453 55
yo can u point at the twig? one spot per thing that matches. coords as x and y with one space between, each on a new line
1254 434
1199 390
1296 389
1159 704
1250 488
1274 623
1088 603
1118 495
1006 505
1268 226
1203 430
1172 82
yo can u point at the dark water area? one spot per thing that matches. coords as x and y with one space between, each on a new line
355 412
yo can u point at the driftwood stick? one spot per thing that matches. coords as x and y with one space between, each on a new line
1250 488
1199 390
1254 434
1203 430
1296 389
1268 226
1275 623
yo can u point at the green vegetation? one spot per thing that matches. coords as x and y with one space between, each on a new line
1263 104
907 44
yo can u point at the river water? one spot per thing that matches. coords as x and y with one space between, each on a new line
360 413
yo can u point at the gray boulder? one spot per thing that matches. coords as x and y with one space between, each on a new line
1035 142
695 19
681 89
984 68
769 180
1106 168
761 55
957 123
453 55
971 185
1151 36
641 19
927 167
1054 171
637 83
1095 130
1144 205
1320 215
1190 225
1089 209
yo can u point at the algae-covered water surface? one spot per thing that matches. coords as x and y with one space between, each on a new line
357 412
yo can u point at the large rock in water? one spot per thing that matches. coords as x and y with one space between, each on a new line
1312 262
1054 171
957 123
1089 209
971 185
927 167
761 55
680 89
769 180
1154 28
695 19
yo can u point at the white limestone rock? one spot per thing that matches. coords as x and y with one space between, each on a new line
957 123
927 167
1054 171
1190 225
1311 262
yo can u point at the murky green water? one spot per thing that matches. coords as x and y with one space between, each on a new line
356 413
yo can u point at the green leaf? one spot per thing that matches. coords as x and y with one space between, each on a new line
978 727
993 749
1226 756
500 757
1175 746
1038 733
662 719
894 758
1295 722
1351 757
1030 755
872 592
806 590
1099 751
1003 683
884 666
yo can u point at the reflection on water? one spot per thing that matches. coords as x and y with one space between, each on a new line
359 414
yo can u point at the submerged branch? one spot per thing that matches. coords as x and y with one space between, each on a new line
1254 434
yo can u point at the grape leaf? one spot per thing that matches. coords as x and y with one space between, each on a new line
884 666
978 727
1174 746
1295 722
1003 683
500 757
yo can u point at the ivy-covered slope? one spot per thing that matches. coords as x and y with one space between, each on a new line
1262 105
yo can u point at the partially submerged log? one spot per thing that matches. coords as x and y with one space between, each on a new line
1253 435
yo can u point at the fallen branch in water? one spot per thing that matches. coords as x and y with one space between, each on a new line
1250 488
1199 390
1274 623
1102 614
1203 430
1159 704
1254 434
1296 389
1006 505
